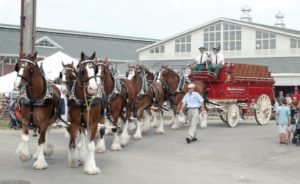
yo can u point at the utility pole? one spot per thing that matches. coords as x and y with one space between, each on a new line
27 27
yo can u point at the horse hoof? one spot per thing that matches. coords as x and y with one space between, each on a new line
100 147
174 127
92 170
153 125
25 158
146 129
40 165
132 126
74 163
137 137
48 151
124 140
160 131
116 147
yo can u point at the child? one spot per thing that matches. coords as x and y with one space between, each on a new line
294 117
283 120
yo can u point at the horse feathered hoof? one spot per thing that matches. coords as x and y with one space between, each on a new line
160 131
137 136
49 149
174 127
132 126
25 158
40 164
92 170
116 147
153 125
100 146
24 152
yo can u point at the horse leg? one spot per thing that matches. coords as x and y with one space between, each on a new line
138 132
82 146
146 125
90 163
73 152
100 146
40 162
23 148
160 129
49 149
172 121
125 137
154 123
175 125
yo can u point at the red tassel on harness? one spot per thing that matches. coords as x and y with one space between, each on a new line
18 112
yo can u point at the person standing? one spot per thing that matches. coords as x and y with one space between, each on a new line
217 61
280 97
296 96
201 60
283 120
294 119
193 101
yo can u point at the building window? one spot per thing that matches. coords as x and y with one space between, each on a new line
265 40
159 49
232 36
47 43
10 61
212 36
295 43
183 44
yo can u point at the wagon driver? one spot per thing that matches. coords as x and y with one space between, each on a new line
201 60
193 101
217 61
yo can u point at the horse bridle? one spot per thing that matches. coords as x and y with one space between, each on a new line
68 83
80 69
23 65
105 69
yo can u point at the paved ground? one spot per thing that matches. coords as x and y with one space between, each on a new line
246 154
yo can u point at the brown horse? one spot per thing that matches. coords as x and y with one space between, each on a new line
86 111
175 87
39 104
119 94
147 95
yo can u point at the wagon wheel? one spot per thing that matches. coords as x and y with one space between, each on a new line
233 115
263 109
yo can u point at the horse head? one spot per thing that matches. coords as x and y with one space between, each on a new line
68 75
24 68
168 76
103 69
87 71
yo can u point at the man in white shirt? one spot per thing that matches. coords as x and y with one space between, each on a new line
193 101
201 60
217 61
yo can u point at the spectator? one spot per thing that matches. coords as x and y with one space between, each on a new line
296 96
283 120
280 97
294 120
288 99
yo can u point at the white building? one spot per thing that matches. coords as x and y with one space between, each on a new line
241 41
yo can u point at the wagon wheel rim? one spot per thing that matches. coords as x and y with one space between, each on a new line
263 109
233 115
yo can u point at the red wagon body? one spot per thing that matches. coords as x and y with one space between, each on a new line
237 89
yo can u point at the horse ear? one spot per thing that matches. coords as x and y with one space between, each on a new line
17 67
94 55
34 55
82 56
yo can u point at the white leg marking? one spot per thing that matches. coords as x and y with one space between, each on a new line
171 122
40 163
100 146
132 126
73 157
154 123
48 148
90 163
23 149
125 137
146 125
138 133
176 125
160 129
116 143
82 147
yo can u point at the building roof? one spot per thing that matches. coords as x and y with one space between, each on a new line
279 30
116 47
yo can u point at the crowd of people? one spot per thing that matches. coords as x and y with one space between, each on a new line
287 116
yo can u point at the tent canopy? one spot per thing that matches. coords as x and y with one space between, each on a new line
52 65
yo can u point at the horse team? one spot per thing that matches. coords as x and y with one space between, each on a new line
95 93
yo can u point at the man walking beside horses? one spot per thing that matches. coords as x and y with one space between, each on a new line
193 101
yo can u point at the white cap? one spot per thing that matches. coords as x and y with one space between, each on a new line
191 85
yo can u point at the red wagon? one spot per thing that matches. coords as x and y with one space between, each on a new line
239 89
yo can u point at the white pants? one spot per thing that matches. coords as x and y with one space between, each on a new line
193 116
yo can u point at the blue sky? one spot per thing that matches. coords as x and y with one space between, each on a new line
146 18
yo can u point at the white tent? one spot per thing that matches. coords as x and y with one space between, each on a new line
52 65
